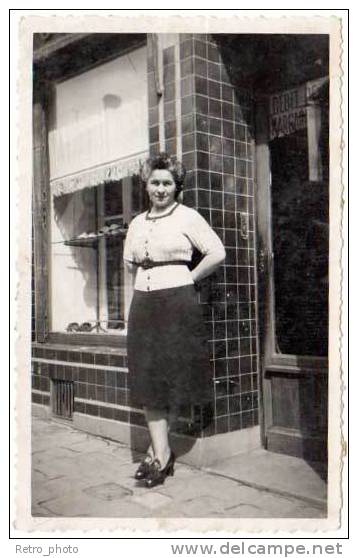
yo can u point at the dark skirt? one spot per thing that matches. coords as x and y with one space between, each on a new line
168 355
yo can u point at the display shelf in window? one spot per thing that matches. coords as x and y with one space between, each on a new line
90 240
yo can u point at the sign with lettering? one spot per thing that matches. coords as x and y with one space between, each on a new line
288 112
288 109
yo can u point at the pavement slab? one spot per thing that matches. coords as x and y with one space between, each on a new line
75 474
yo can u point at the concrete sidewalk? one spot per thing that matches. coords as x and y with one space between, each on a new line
75 474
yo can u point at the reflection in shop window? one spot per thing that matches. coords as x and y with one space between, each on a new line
300 226
91 290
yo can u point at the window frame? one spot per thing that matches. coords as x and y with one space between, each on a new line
44 79
271 360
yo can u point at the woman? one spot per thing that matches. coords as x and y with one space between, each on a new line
167 342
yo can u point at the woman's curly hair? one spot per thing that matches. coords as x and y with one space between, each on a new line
163 161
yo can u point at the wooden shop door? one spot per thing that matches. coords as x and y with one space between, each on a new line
292 258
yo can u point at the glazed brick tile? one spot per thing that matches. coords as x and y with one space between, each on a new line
186 48
235 422
235 404
224 74
253 345
233 348
214 89
213 53
202 160
234 376
120 415
202 123
188 142
254 377
202 142
169 111
187 124
137 418
106 412
101 359
203 198
232 311
170 146
189 160
187 105
202 104
222 425
227 111
87 358
245 364
186 67
216 199
81 391
247 419
246 382
220 368
79 407
221 406
117 360
92 410
154 134
61 355
200 48
169 74
228 129
110 378
216 218
168 55
187 86
36 398
213 71
100 377
220 349
227 93
91 391
111 395
200 66
121 396
240 132
221 387
216 182
190 180
120 379
169 92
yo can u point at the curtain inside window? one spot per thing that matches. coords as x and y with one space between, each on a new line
99 124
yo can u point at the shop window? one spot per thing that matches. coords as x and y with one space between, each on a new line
98 137
300 230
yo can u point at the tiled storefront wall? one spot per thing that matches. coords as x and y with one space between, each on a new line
217 147
99 378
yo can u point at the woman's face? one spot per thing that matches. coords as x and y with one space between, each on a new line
161 188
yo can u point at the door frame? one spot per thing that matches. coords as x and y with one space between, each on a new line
271 362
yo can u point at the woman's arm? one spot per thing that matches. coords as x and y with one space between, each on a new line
132 268
205 239
208 264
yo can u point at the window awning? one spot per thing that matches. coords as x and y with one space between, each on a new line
99 124
98 175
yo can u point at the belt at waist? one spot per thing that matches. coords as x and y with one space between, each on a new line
147 263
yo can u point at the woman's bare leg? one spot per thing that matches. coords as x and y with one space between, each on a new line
158 427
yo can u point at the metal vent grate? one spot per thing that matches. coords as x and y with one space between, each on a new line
62 398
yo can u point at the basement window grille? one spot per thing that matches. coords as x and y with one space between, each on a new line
62 398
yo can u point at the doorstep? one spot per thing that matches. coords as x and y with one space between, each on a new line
274 472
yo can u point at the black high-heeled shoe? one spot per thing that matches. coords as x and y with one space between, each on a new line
157 475
144 468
